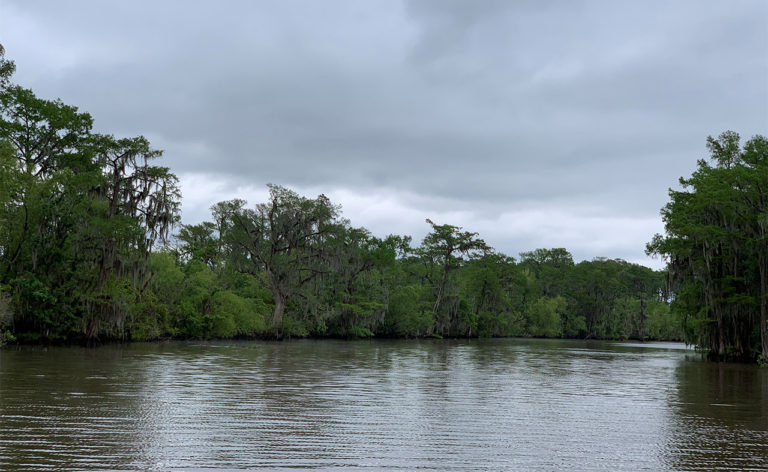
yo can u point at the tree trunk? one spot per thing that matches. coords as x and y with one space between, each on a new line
277 315
440 290
763 306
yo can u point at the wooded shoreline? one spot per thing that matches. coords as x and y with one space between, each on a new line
93 250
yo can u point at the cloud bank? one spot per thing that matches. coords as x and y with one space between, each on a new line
534 123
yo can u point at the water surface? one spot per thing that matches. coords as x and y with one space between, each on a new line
437 405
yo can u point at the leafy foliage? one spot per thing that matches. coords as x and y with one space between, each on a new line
717 249
87 253
81 213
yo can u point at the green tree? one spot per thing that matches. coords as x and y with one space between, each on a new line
80 214
544 317
443 251
485 285
356 260
282 240
200 242
715 245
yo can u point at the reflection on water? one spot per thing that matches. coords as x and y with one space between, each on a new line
436 405
721 417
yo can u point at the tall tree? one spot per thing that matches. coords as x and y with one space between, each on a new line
81 212
444 250
282 240
717 250
200 242
132 206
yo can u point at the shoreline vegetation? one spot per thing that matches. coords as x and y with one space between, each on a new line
92 250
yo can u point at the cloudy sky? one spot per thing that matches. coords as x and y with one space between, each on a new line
536 123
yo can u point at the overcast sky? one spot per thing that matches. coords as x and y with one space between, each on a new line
536 123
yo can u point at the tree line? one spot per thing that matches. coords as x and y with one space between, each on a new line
92 249
88 253
308 271
80 214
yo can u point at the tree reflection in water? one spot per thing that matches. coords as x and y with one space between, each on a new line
720 417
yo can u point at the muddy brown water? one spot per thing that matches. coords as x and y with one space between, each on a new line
508 404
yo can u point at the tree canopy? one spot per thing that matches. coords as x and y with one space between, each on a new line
81 213
91 250
717 251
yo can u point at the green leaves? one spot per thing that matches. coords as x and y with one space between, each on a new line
86 220
715 243
79 214
288 239
544 317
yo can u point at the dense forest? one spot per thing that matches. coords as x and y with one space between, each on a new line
717 250
92 249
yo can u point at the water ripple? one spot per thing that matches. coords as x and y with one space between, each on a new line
443 405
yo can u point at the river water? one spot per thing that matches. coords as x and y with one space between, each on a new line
507 404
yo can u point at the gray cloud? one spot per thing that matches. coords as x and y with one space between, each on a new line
583 111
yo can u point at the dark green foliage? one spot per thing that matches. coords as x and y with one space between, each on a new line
322 277
409 311
717 249
80 214
85 255
285 242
